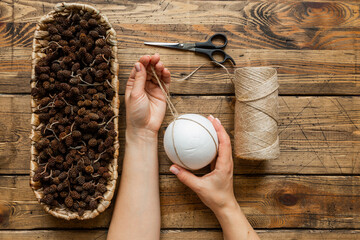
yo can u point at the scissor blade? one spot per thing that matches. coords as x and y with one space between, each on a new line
181 46
161 44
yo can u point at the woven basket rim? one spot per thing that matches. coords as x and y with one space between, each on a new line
62 212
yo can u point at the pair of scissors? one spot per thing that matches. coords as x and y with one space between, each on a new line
208 48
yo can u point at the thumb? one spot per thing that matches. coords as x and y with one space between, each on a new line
140 79
186 177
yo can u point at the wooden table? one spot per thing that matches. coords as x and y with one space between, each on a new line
311 192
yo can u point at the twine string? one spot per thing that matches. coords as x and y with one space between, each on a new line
175 114
165 91
202 65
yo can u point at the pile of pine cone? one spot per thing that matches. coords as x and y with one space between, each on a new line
73 93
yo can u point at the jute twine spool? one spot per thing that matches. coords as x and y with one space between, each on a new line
256 113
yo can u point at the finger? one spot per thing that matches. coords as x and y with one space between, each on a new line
130 83
166 77
145 60
224 153
213 163
186 177
132 73
159 67
155 59
140 79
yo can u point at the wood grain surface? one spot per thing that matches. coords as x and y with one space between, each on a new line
288 201
320 41
310 192
182 234
331 14
326 72
317 134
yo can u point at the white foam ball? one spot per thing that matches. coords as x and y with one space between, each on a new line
191 141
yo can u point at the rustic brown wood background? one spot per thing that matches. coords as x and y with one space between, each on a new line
311 192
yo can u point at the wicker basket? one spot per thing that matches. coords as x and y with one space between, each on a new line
38 44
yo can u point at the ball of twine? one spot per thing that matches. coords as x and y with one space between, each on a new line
256 113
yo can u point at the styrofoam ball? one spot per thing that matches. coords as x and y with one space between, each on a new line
186 138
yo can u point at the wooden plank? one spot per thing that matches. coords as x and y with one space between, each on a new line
52 235
315 72
318 135
14 133
247 24
310 202
301 72
241 36
181 234
328 13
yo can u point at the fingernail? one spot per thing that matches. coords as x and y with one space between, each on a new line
211 116
218 120
156 54
174 170
137 67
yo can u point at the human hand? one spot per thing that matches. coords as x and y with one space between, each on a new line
215 189
144 100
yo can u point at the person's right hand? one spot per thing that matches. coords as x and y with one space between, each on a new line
215 189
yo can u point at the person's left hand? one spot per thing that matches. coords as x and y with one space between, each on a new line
144 100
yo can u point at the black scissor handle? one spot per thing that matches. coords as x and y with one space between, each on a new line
210 53
209 43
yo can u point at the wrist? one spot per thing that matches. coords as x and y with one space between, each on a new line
141 147
234 223
134 134
227 209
